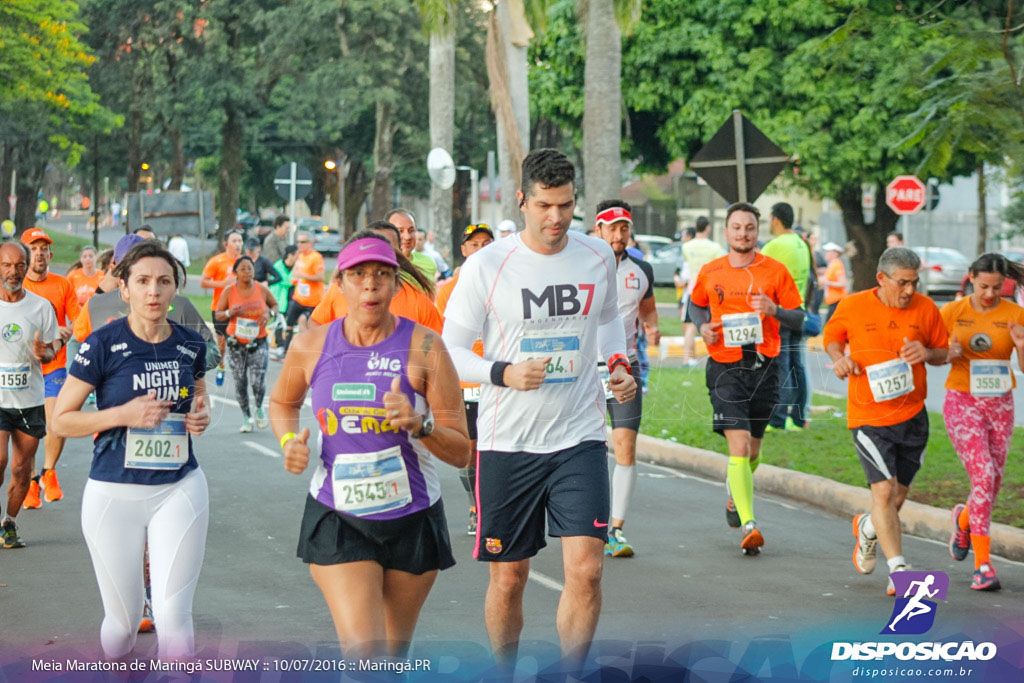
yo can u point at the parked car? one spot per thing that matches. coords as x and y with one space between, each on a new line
1009 285
326 240
942 270
665 261
651 243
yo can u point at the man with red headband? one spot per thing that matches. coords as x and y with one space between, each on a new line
635 282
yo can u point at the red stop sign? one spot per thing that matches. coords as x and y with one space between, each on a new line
906 194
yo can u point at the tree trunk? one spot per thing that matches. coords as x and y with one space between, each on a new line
510 96
442 117
383 160
30 168
134 143
177 169
6 166
230 171
982 213
602 116
356 183
868 238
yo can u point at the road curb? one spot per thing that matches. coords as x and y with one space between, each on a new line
841 499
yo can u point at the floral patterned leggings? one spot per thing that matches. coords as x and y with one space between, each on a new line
248 366
980 428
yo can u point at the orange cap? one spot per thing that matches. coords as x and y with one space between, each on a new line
34 234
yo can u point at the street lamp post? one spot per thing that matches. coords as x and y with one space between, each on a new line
339 166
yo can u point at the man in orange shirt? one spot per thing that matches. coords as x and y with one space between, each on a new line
61 295
892 331
738 303
307 283
218 273
410 302
475 237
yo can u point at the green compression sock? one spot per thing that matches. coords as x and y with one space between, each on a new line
741 485
753 464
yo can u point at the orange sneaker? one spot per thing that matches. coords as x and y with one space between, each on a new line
51 487
32 497
146 624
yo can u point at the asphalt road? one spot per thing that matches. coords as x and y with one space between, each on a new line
688 598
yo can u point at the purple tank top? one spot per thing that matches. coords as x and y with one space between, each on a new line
368 468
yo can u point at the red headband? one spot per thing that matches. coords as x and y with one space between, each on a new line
616 213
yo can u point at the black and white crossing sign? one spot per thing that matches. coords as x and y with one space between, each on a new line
293 181
739 161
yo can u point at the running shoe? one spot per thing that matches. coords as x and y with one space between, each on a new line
32 500
617 545
261 418
771 428
246 426
471 527
220 377
147 625
51 487
891 588
752 539
793 426
865 552
10 535
732 517
960 539
985 579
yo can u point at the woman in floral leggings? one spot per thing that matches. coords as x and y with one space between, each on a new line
984 331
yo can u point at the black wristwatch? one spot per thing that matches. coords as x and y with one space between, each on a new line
427 428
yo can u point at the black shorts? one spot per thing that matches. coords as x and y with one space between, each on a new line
220 327
295 310
627 415
893 451
31 421
417 543
515 489
472 410
743 393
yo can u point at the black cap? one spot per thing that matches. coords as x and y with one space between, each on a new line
252 243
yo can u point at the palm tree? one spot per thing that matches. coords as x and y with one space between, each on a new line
602 98
439 22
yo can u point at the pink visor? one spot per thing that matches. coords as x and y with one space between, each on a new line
367 249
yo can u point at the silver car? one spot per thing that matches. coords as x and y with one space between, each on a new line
942 270
665 262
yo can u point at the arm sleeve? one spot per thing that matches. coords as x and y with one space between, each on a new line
273 277
698 314
610 305
793 318
471 367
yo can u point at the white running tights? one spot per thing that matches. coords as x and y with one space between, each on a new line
117 520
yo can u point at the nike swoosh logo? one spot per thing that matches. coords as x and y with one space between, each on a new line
364 246
598 526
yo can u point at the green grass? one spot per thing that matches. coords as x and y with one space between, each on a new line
678 409
665 295
66 248
201 302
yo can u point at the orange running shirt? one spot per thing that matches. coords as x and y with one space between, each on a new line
443 295
308 292
253 308
85 287
975 330
58 291
219 268
728 290
832 273
410 302
875 333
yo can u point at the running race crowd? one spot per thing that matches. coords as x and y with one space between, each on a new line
506 372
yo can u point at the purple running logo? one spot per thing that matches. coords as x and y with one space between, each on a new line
914 611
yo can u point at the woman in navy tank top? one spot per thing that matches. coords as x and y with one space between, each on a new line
387 403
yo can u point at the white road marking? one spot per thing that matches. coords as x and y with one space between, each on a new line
262 449
546 581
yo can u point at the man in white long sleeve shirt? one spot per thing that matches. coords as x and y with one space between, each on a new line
546 306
